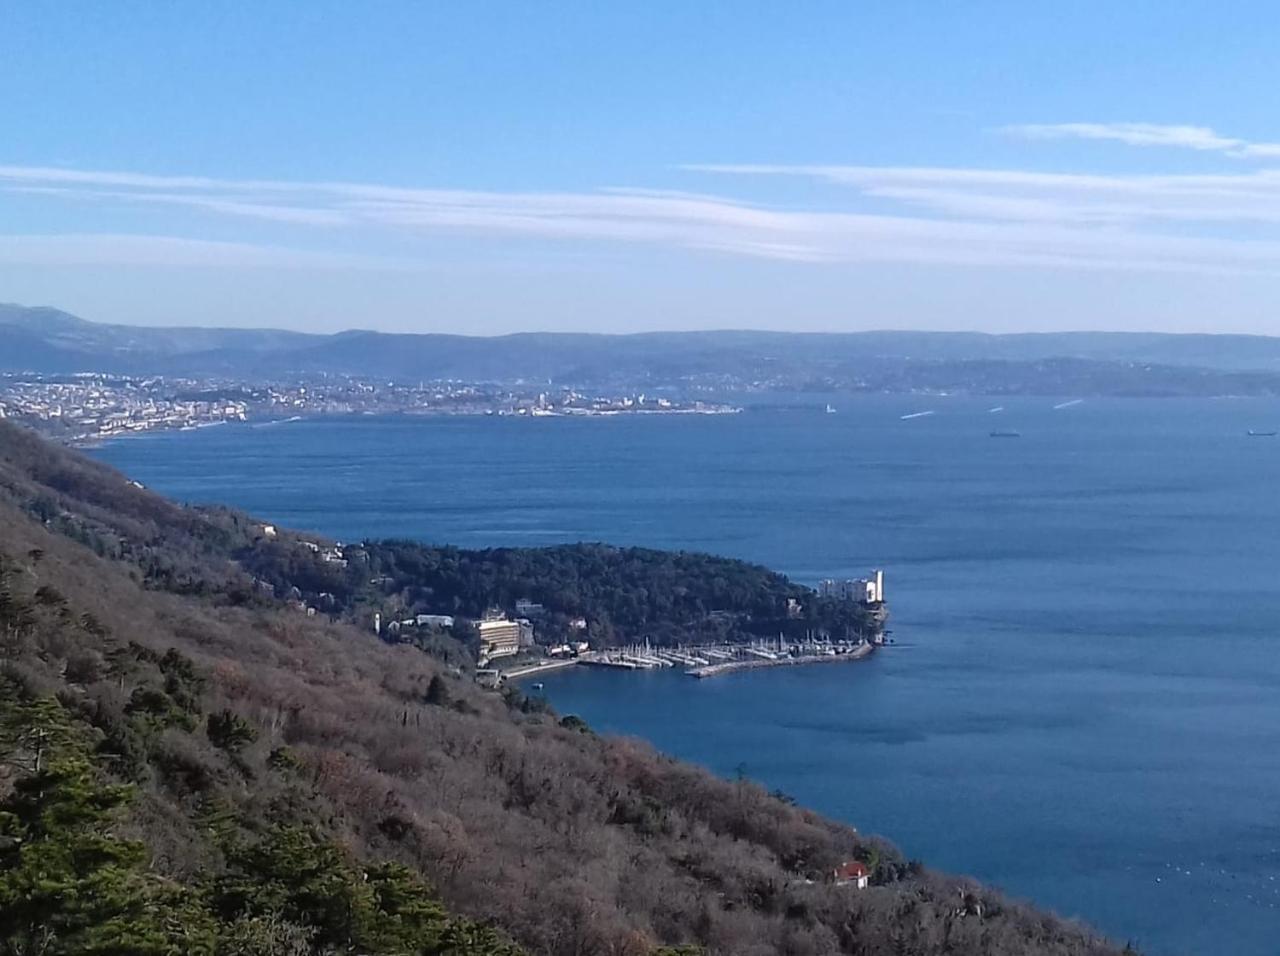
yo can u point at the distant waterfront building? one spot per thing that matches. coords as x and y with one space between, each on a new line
499 638
862 590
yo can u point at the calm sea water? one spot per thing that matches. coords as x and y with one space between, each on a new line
1083 704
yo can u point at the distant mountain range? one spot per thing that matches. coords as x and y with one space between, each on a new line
50 341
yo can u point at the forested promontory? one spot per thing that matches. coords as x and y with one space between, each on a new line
617 595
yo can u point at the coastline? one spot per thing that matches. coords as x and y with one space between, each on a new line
98 439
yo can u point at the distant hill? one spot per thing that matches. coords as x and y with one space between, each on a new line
44 339
50 341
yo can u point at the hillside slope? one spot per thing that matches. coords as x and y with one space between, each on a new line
283 765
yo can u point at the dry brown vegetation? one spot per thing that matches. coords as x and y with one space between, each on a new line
574 844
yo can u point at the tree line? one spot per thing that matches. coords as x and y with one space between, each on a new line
621 594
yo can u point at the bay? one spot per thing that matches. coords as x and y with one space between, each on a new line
1082 705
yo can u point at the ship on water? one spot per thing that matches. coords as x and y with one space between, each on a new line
1005 434
1258 434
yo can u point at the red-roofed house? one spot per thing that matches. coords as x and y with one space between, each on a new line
852 873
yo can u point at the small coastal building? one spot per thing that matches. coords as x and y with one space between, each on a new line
852 873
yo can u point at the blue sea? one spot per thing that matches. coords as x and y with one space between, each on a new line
1082 705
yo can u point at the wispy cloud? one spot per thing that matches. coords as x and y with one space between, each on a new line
1201 138
1208 223
1065 199
1133 134
110 249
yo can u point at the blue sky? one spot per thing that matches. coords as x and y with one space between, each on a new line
487 167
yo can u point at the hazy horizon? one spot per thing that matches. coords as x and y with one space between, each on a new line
498 168
724 330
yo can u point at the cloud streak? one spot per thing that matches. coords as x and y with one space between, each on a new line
1062 198
1221 224
1202 138
112 249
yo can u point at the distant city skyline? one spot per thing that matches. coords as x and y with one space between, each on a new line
496 167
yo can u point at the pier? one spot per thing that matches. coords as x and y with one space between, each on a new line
856 653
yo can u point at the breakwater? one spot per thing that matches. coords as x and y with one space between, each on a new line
532 670
728 667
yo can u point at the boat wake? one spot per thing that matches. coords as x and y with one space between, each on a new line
279 421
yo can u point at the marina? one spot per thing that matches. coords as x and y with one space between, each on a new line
701 661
